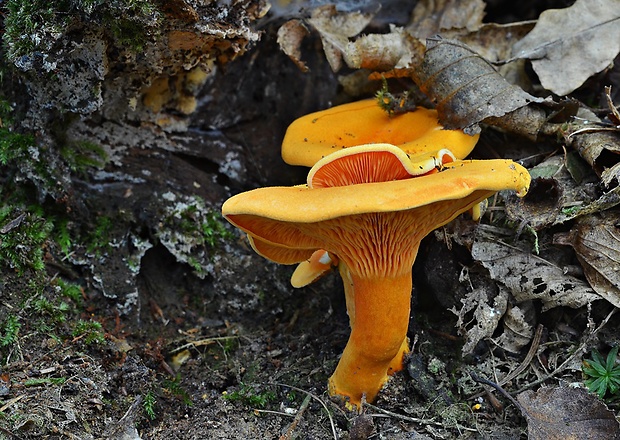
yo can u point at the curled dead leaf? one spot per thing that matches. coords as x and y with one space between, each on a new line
542 204
479 315
335 28
601 149
378 52
466 87
518 331
290 36
596 241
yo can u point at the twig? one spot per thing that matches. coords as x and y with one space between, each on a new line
580 350
499 389
317 398
278 413
203 342
528 358
403 417
300 413
11 402
7 432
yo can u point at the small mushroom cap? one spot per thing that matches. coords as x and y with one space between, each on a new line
312 269
314 136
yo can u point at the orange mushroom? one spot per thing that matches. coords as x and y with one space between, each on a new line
374 227
318 134
313 268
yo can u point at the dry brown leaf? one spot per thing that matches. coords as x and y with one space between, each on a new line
518 327
290 36
598 143
465 86
494 41
378 52
601 149
562 189
431 17
596 241
567 414
543 203
479 315
529 277
335 29
569 45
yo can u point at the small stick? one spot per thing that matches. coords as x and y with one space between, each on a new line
331 420
202 342
300 413
499 389
528 358
580 350
402 417
7 432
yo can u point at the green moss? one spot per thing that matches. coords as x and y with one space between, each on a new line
25 20
34 26
149 404
69 290
15 147
91 332
99 239
250 395
9 331
24 234
82 155
57 311
45 381
173 386
62 236
214 229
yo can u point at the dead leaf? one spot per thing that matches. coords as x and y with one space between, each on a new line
479 315
596 241
378 52
543 203
567 414
494 41
606 201
465 86
569 45
335 28
518 327
290 36
598 142
601 149
529 277
562 189
431 17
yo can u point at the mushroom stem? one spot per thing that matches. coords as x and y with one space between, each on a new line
378 336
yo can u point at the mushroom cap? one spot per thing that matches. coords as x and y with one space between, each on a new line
373 163
373 227
314 136
301 204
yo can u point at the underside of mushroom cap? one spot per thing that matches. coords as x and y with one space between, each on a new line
373 163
